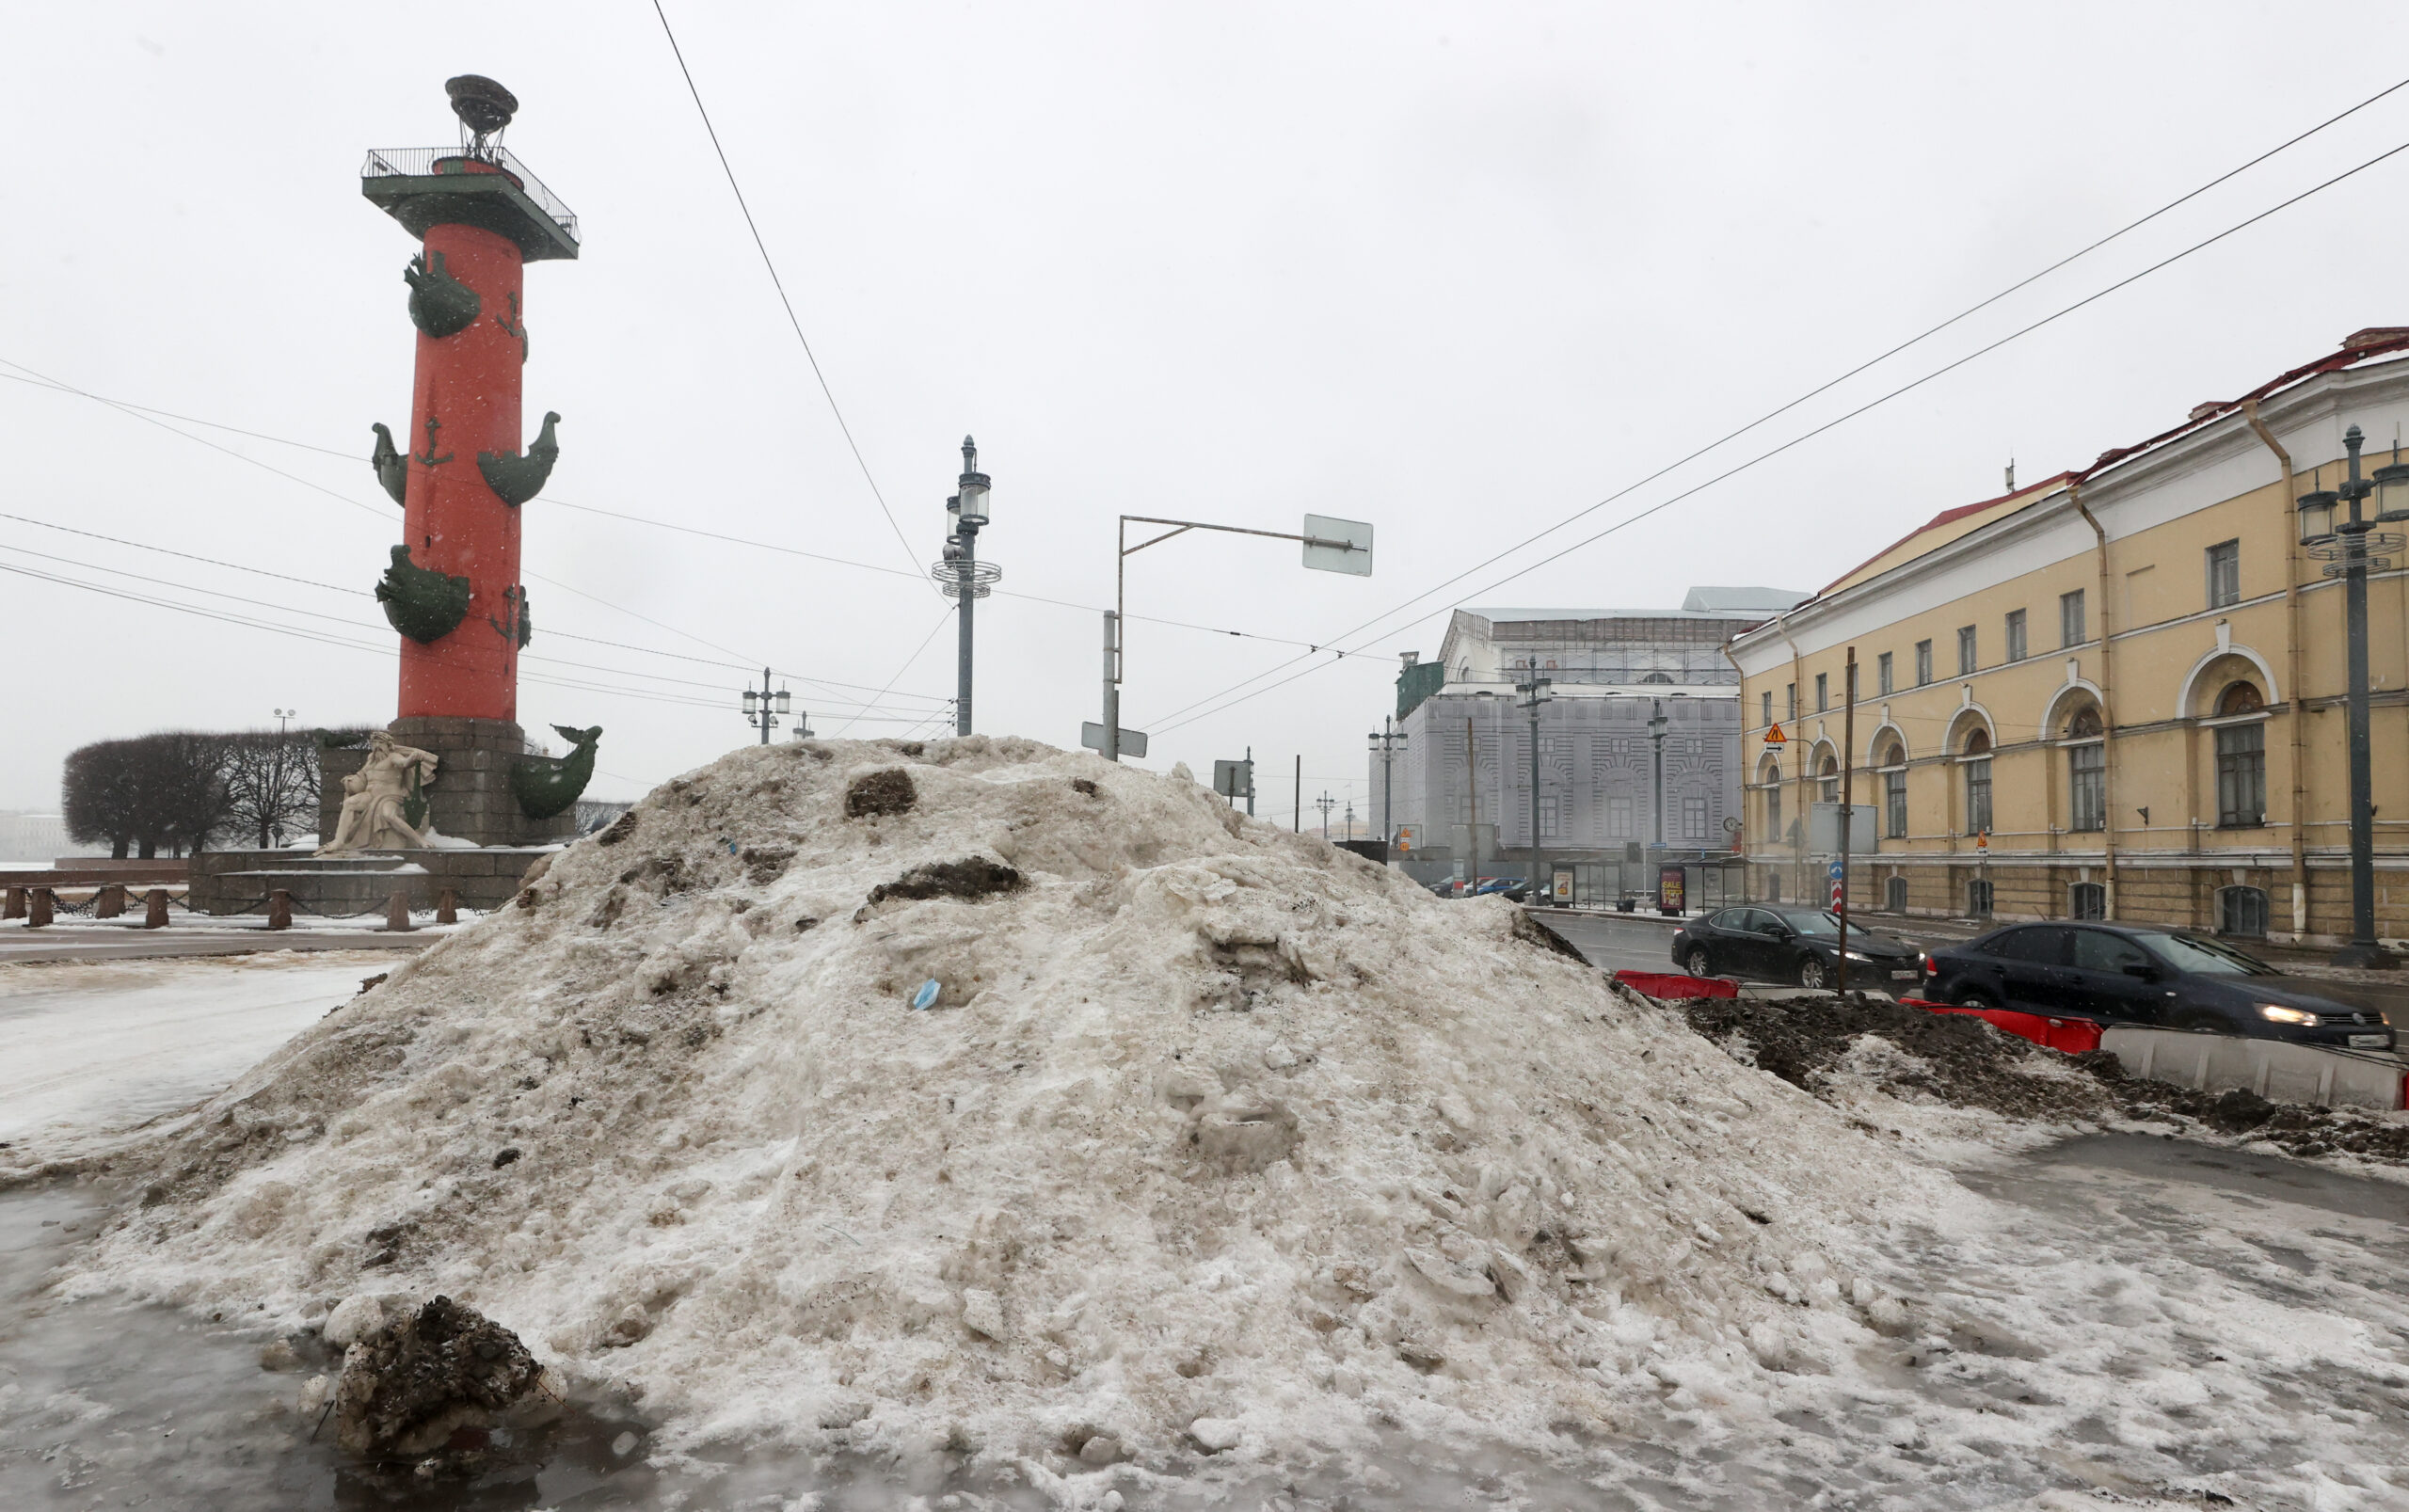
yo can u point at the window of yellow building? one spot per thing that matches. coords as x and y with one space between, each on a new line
2242 758
1977 764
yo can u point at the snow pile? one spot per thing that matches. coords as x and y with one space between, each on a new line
1216 1140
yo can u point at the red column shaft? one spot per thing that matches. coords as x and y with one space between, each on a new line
465 399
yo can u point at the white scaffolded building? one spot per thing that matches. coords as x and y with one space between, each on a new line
1605 816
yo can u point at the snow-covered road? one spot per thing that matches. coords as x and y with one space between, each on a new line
90 1049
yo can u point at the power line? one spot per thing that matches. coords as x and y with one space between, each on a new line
1165 725
907 663
329 587
198 441
308 633
747 542
779 284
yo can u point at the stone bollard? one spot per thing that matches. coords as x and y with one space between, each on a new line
111 902
38 907
15 907
154 909
447 907
398 912
279 910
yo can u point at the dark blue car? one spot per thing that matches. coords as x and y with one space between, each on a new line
2153 975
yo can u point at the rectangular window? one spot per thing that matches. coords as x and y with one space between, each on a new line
1882 672
2087 787
1547 818
1766 706
1790 700
2016 635
1923 662
2224 574
1773 815
1618 815
1823 691
2241 776
1894 804
2070 627
1693 818
1978 796
1965 649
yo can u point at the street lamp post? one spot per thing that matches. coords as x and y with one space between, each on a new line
961 577
1656 724
1534 690
1384 743
762 706
272 812
2346 550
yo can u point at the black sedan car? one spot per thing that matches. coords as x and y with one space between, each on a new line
1800 945
2151 976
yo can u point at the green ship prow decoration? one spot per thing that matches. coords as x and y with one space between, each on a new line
440 305
423 603
546 786
393 468
516 479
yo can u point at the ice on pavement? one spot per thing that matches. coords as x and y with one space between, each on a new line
90 1049
1219 1145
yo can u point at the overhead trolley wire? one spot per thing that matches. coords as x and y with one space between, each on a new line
1874 404
779 284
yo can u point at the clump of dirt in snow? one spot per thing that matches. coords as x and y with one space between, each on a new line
1951 1057
887 792
1218 1139
1960 1059
433 1382
2297 1128
971 878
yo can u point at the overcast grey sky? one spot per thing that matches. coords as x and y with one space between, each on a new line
1457 270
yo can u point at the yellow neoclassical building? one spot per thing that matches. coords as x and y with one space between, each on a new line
2117 693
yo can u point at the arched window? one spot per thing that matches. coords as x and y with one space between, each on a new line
2241 911
2086 770
1656 676
2240 698
1892 760
1829 771
2242 758
1977 764
2086 900
1773 802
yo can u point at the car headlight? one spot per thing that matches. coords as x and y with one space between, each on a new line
1859 955
2278 1013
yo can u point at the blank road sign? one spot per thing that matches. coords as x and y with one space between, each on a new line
1234 779
1338 545
1133 742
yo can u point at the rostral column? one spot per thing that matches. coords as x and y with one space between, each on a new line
453 588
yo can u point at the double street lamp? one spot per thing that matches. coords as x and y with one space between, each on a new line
762 706
1385 743
2347 549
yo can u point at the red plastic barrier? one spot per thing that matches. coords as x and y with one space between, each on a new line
1671 985
2071 1035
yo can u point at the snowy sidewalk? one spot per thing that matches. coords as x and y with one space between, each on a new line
124 939
89 1050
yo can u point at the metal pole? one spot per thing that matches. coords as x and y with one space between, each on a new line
1656 731
1535 780
765 706
1848 800
2363 950
1250 782
1297 817
1388 780
962 675
1471 796
1111 686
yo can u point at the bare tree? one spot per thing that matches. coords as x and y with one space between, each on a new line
154 792
271 786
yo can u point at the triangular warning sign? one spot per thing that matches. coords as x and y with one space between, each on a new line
1775 736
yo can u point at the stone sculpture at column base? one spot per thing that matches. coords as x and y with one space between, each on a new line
471 801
